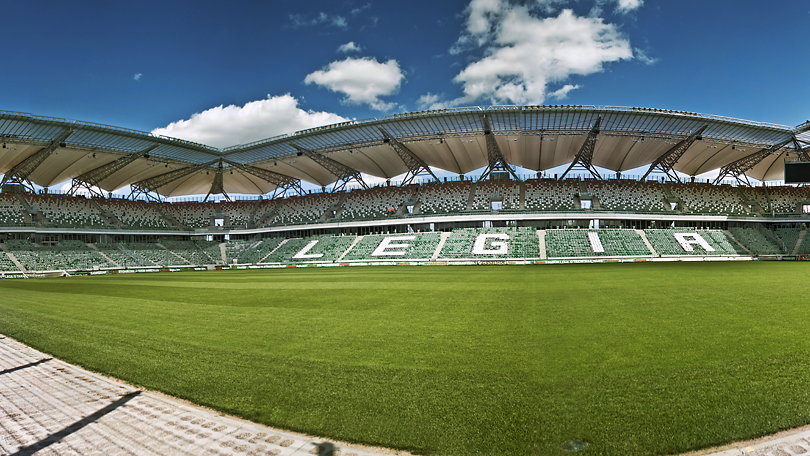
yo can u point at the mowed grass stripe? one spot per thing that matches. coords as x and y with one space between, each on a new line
635 358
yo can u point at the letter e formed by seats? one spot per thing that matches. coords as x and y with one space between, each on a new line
304 253
687 240
391 247
483 246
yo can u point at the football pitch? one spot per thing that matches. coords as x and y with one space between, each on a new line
635 359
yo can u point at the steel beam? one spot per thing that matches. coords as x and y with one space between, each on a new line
584 156
285 185
91 179
344 174
496 160
22 170
151 185
665 163
217 185
416 166
739 167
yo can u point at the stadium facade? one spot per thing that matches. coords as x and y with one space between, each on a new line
586 210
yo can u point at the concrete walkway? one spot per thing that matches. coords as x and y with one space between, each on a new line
48 407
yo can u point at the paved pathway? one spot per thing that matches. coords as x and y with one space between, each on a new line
48 407
788 443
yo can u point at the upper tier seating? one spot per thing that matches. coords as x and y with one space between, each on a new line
709 199
303 209
551 195
420 246
576 243
506 191
68 211
784 200
192 215
327 248
374 203
135 214
665 242
443 198
627 195
521 243
12 210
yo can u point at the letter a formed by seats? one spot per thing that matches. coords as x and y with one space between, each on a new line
483 246
304 254
390 247
687 240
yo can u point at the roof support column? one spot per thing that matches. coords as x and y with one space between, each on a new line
584 157
90 180
666 162
416 166
497 162
739 167
23 170
343 173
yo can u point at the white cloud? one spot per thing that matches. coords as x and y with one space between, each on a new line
361 80
223 126
360 9
301 20
642 57
523 53
349 47
137 76
563 91
429 101
626 6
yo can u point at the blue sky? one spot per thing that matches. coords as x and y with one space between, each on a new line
278 66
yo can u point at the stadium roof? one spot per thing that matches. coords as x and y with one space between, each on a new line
48 151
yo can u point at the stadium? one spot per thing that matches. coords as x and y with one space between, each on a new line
589 210
424 340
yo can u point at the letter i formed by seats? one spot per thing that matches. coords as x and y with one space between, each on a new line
596 243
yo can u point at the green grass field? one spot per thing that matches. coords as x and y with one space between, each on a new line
636 359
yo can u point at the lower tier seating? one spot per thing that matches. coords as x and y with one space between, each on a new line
483 243
404 246
310 249
590 243
690 241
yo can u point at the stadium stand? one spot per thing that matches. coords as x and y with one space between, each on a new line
758 240
551 195
581 243
67 211
123 256
66 255
310 249
6 264
135 214
377 202
194 252
12 210
414 246
443 198
303 209
245 252
519 243
666 242
505 191
192 215
628 195
785 200
709 199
